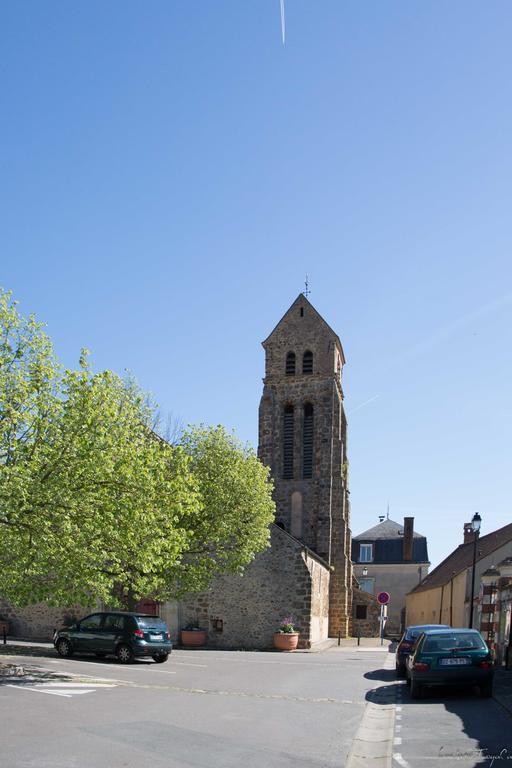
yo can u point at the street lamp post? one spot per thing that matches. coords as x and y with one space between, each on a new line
475 525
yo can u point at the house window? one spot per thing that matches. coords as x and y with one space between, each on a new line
288 442
367 585
290 364
307 362
361 612
365 553
307 442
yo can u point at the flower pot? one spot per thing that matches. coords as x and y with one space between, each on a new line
193 638
286 641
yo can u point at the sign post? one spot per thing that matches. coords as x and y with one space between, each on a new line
383 598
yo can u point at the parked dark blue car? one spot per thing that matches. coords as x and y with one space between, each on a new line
407 641
116 633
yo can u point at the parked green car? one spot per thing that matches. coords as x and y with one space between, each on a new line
117 633
450 657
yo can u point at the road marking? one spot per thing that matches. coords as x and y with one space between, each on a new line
38 690
66 689
76 685
397 741
186 664
400 760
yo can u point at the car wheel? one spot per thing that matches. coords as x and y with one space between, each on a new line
124 654
160 657
64 648
486 691
416 690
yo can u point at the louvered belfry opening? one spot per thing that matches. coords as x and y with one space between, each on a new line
288 442
307 446
290 364
307 362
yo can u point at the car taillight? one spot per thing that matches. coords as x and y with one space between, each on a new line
138 633
405 646
167 636
485 664
420 666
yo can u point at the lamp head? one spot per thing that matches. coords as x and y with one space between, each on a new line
476 522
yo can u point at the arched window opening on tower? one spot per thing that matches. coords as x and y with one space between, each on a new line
307 362
296 521
290 364
288 442
307 442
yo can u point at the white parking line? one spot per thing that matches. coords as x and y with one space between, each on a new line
38 690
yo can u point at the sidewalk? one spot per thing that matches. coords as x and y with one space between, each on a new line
502 688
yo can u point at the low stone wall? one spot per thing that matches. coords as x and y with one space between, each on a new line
243 612
370 625
37 621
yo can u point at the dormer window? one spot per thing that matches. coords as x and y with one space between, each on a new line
307 362
290 364
365 553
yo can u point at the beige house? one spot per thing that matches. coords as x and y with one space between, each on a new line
392 558
443 597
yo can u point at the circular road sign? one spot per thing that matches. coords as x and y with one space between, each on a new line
383 598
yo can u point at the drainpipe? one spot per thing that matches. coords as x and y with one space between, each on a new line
451 601
441 606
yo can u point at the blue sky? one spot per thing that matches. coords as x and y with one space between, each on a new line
170 172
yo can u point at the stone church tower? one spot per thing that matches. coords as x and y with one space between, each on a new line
303 439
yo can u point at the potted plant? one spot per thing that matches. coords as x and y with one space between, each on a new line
287 637
193 636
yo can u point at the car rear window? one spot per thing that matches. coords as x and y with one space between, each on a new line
150 622
460 641
413 634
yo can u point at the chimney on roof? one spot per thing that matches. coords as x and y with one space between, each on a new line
469 534
408 537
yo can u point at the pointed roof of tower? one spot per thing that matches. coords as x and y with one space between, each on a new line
301 300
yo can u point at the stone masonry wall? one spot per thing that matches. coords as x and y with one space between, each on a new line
245 611
37 622
325 522
369 627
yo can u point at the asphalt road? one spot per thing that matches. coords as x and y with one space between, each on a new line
209 709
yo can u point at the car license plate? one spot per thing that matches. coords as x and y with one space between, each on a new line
455 662
157 637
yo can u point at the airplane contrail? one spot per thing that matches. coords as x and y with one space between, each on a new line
362 405
283 22
460 322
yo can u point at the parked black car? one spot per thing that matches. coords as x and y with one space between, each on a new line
406 643
118 633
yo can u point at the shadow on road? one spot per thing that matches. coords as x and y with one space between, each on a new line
11 649
386 675
475 715
50 653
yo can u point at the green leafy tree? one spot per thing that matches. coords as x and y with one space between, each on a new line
236 506
93 504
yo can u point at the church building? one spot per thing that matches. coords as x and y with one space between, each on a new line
307 571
